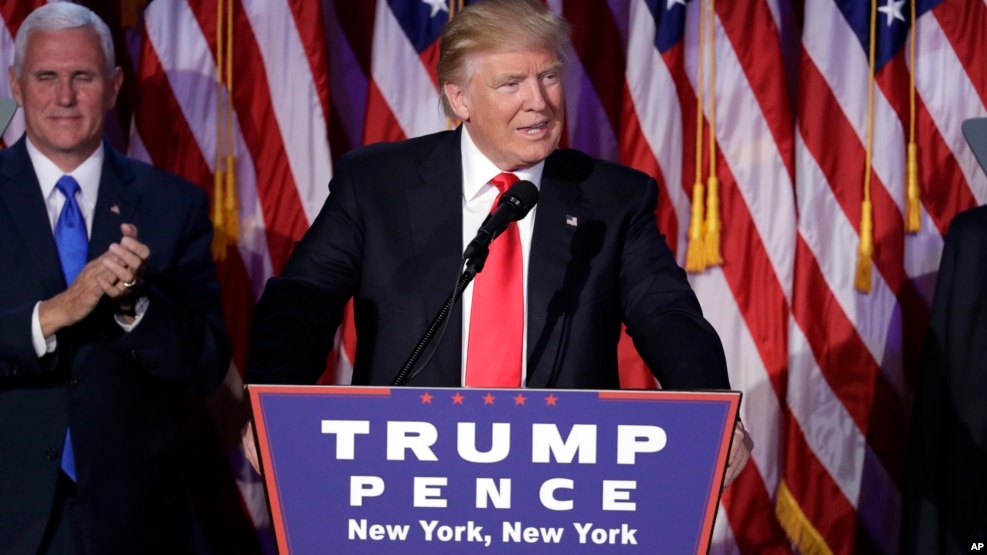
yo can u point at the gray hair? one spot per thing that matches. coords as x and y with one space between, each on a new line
59 16
496 25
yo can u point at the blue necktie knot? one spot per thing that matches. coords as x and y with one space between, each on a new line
68 186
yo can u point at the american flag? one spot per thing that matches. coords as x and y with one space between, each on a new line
854 355
770 97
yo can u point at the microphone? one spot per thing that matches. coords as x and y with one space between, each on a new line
513 205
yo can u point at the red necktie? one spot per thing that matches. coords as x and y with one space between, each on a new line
493 356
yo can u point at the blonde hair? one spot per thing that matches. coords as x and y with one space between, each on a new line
491 26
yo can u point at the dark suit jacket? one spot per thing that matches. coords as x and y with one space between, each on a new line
945 491
111 387
390 235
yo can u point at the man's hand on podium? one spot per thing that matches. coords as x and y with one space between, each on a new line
740 453
249 446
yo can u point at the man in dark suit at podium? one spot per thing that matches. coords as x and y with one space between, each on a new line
98 325
547 309
945 490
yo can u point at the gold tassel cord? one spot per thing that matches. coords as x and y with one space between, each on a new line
224 210
865 251
230 197
130 13
913 204
694 256
711 239
218 211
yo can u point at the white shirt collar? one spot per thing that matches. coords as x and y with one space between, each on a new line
87 174
478 170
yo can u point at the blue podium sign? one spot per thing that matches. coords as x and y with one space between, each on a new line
410 470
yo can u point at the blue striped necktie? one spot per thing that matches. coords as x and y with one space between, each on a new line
73 245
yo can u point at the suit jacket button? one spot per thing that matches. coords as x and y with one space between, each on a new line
52 454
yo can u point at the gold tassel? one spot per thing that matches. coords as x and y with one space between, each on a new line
230 204
799 528
913 206
130 12
863 278
218 227
694 254
226 222
865 252
711 241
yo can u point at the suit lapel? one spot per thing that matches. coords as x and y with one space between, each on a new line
435 210
115 204
21 193
554 273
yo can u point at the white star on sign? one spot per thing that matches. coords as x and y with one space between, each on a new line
893 10
436 6
671 4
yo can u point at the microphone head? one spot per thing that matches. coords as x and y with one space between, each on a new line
523 195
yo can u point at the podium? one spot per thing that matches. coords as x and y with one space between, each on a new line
413 470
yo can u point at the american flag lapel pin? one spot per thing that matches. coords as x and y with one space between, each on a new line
115 209
571 221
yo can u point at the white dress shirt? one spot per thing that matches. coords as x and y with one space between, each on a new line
87 175
478 199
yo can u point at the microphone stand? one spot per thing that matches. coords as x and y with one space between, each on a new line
474 264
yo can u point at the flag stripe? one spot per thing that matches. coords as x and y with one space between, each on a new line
309 23
760 57
759 221
855 392
281 204
940 158
964 25
636 153
404 89
829 511
649 75
294 99
595 31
